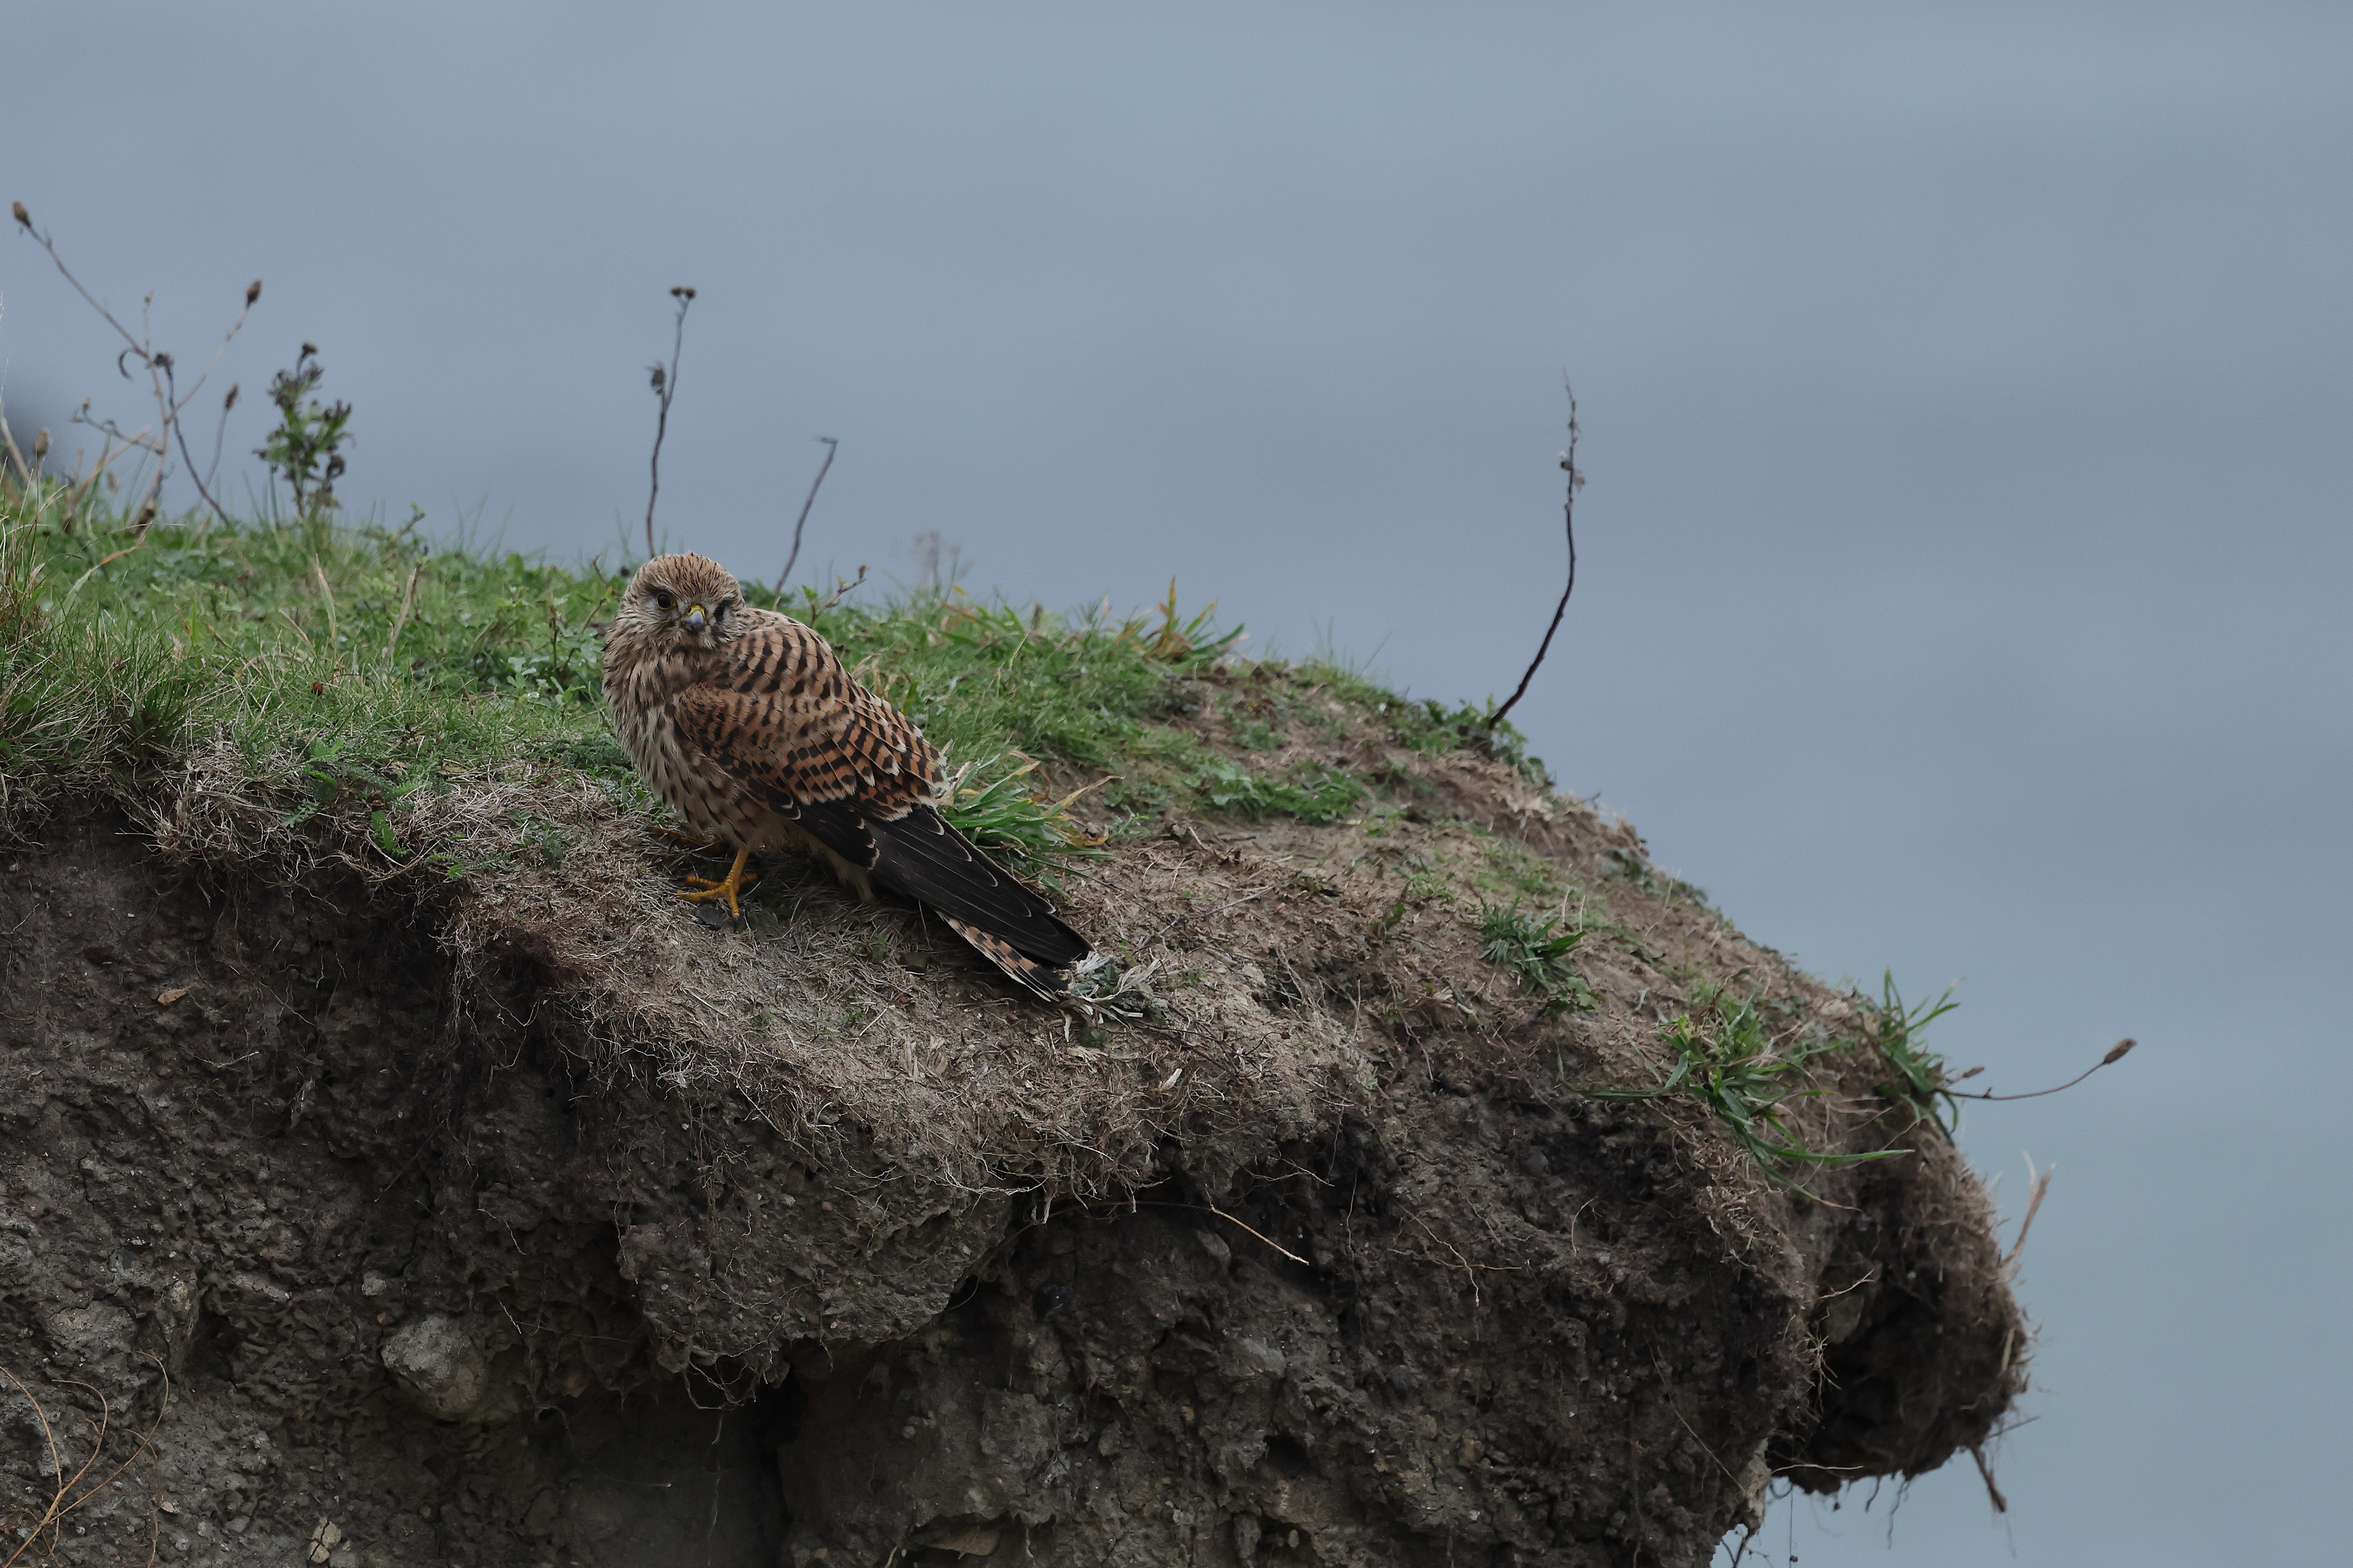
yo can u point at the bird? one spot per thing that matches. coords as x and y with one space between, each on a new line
746 722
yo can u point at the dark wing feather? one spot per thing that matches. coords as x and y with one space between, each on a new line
785 721
920 856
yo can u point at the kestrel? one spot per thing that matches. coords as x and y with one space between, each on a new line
745 721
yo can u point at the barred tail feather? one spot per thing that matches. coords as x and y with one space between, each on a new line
1046 983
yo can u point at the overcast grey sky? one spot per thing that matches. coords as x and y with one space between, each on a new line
1965 394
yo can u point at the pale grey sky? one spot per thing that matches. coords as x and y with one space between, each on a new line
1966 393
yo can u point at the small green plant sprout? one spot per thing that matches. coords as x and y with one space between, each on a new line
1727 1057
1323 793
330 775
1181 641
1534 951
304 449
1918 1078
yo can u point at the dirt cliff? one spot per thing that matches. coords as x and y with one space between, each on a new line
385 1216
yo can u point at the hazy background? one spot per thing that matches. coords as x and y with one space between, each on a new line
1967 397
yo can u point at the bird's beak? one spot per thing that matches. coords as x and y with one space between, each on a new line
695 618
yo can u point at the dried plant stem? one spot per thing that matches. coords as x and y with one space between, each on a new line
665 388
327 595
1568 519
61 1500
1985 1473
2116 1053
407 597
840 587
831 446
8 439
2039 1188
162 373
179 427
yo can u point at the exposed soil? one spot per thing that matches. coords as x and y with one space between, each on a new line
525 1219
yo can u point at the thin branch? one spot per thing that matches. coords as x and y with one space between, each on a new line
169 400
665 383
25 221
204 488
252 295
840 587
180 434
134 345
831 446
1568 520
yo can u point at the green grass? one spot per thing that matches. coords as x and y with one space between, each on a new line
1534 951
1917 1077
1730 1058
351 664
1320 793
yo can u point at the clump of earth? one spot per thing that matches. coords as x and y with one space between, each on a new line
358 1216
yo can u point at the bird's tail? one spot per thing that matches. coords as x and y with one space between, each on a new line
1041 980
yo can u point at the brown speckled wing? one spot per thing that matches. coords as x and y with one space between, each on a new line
782 718
780 714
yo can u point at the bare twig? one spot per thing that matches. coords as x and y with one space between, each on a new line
665 384
831 446
179 430
220 433
1568 520
161 380
839 589
2115 1054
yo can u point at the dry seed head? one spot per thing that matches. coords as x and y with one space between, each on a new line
253 291
41 446
231 401
2117 1052
22 215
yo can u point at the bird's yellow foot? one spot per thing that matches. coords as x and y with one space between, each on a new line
730 887
691 840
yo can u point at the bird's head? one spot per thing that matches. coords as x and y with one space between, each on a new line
687 601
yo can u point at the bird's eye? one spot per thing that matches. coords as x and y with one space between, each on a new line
663 602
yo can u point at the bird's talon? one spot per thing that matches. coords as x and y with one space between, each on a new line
731 887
